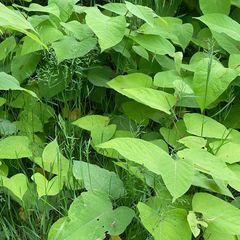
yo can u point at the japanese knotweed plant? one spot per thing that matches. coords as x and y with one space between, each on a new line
158 95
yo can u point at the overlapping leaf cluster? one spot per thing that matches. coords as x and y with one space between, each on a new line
90 95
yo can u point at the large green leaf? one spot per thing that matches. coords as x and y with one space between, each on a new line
15 147
203 181
176 174
118 8
221 216
78 30
170 28
8 45
90 122
53 161
207 163
204 126
29 122
98 179
16 21
171 136
8 82
109 30
193 142
133 80
51 8
211 234
70 48
221 23
45 187
166 79
91 217
100 135
141 12
236 183
24 66
7 127
209 89
48 33
166 225
65 7
155 44
17 185
137 86
215 6
227 43
228 151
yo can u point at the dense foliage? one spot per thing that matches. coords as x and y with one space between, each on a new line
119 120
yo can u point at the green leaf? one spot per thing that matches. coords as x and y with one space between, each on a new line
17 184
22 67
194 223
48 33
2 101
141 12
201 180
51 8
91 216
193 142
215 6
55 232
78 30
227 43
204 126
100 135
207 163
29 122
45 187
8 82
210 234
7 127
166 225
133 80
153 98
118 8
69 48
15 21
236 3
53 161
8 46
98 179
90 122
176 174
99 76
136 86
221 23
170 28
166 79
141 52
15 147
221 216
236 183
218 81
109 30
65 7
171 136
138 112
3 169
152 43
228 151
